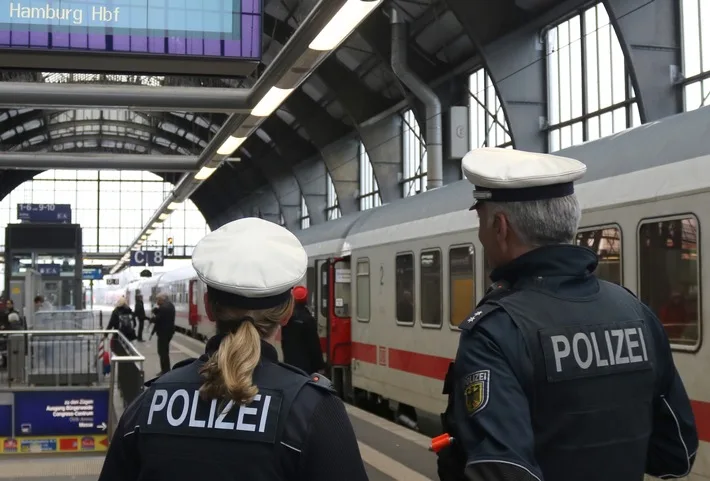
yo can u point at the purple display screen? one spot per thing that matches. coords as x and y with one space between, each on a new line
228 29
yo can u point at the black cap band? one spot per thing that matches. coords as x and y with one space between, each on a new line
523 194
241 302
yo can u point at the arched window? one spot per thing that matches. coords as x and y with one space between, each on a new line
589 88
112 207
414 156
332 209
369 190
487 124
305 217
696 53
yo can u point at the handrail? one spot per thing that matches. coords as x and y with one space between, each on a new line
135 355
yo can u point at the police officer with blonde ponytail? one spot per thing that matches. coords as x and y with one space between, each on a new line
236 412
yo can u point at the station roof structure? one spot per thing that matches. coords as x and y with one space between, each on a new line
348 93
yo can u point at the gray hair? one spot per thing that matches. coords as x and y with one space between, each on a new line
540 222
162 295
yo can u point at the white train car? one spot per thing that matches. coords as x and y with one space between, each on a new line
407 273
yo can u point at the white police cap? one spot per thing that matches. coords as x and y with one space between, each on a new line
507 175
251 263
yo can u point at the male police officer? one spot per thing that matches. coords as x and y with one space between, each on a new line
558 376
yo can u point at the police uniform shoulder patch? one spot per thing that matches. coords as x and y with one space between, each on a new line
476 388
322 382
476 316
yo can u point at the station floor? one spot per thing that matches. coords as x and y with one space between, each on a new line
391 452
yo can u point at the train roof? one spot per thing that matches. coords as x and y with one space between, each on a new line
180 274
670 140
328 238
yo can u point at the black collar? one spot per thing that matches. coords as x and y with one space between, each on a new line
549 261
267 350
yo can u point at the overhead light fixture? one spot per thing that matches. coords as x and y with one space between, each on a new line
230 145
173 205
270 102
205 173
343 24
163 216
144 237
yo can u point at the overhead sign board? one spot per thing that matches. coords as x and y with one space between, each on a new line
42 413
149 258
47 213
92 273
155 30
49 269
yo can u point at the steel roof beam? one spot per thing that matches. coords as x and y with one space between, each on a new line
48 161
50 96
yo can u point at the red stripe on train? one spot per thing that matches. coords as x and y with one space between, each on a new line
435 367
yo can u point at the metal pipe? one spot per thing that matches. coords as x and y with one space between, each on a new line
48 161
423 92
54 96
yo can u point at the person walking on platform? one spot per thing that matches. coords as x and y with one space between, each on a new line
299 338
140 314
237 412
559 375
124 321
164 320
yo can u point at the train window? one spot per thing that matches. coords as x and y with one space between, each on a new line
341 289
363 290
431 288
324 289
461 283
669 275
606 243
404 285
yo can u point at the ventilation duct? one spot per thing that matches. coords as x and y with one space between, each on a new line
424 93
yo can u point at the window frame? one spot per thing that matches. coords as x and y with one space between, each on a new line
470 245
428 325
358 261
414 287
609 225
694 349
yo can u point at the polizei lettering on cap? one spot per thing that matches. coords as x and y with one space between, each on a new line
595 350
184 412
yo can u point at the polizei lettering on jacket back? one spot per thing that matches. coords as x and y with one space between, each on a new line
181 411
596 350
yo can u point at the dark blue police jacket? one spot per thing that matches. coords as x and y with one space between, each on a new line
171 433
560 376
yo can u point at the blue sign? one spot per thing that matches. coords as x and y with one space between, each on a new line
5 421
92 273
49 213
60 413
150 258
49 269
168 17
222 28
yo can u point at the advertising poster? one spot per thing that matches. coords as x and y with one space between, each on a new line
60 413
5 421
53 444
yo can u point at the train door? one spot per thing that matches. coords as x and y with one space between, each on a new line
335 285
192 315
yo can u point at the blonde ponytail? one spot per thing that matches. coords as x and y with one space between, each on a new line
228 372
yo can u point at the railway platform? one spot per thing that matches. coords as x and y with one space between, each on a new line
391 452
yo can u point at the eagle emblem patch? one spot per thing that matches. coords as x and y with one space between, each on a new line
476 387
